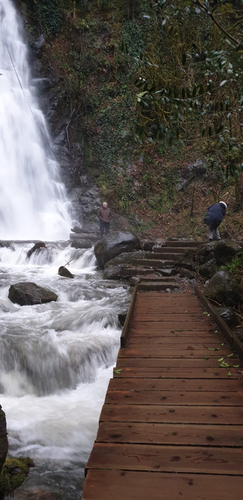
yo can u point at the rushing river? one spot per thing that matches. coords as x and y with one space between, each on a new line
55 359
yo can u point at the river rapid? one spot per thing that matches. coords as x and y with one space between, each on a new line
56 360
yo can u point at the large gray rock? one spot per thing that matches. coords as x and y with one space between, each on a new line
82 243
38 247
3 438
222 289
114 244
225 251
112 272
208 269
28 294
64 272
127 258
205 252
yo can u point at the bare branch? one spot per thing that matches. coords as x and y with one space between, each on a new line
227 34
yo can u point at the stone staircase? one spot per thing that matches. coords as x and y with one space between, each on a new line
162 268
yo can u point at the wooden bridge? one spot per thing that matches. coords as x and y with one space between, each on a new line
172 423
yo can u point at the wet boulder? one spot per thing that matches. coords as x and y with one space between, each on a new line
14 472
225 251
38 247
230 317
27 294
223 289
82 243
113 272
3 438
208 269
63 271
147 245
114 244
205 252
127 258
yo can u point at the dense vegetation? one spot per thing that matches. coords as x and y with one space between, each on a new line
149 86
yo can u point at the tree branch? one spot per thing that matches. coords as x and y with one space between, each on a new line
228 35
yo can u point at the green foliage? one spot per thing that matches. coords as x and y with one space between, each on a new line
235 266
50 15
193 89
150 76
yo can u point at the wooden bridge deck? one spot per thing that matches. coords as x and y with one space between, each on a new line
172 423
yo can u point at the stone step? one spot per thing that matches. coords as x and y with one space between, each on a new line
143 272
157 286
156 263
157 279
184 243
174 250
134 271
165 255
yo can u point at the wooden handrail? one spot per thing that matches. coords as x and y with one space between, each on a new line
230 336
125 330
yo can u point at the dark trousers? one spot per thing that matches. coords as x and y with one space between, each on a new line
104 228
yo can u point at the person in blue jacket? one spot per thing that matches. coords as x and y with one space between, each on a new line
214 217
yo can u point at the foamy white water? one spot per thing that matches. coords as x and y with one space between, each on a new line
33 201
56 360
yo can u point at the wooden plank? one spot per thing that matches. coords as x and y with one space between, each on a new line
169 322
171 384
170 434
174 343
209 362
142 315
129 485
176 297
171 333
172 414
190 352
176 326
181 338
190 459
175 398
176 373
169 310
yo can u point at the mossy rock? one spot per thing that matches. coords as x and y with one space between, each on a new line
223 289
225 251
13 474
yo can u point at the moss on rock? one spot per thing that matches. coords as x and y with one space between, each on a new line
13 474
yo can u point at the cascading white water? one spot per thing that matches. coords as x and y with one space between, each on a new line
33 203
55 363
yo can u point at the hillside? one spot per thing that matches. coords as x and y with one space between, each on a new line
150 92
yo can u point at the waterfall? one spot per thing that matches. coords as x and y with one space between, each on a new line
33 201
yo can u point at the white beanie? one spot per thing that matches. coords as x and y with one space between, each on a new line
223 203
